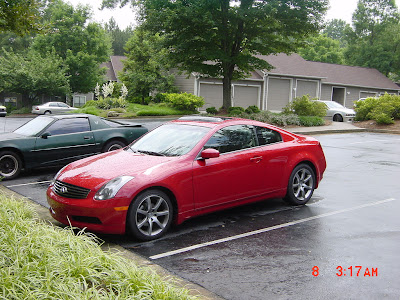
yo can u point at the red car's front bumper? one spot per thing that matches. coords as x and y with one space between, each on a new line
97 216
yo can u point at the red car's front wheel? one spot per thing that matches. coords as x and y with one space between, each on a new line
150 215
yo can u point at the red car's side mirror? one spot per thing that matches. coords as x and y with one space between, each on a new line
209 153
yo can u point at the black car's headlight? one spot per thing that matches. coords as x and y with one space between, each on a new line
111 188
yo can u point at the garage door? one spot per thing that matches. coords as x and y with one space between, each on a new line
278 93
246 96
212 94
306 87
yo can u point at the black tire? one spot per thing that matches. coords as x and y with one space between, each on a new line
113 145
150 215
47 112
301 185
337 118
10 165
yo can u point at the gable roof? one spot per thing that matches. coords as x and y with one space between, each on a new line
113 66
295 65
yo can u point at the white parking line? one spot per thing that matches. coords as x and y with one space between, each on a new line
31 183
372 141
247 234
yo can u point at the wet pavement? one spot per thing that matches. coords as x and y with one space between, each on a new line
342 245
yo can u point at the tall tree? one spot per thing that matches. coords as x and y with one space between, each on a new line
32 75
82 45
119 37
20 16
322 48
146 68
336 29
222 37
373 39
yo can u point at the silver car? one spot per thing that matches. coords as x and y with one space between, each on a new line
337 112
52 108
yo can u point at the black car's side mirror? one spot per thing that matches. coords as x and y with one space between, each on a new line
45 135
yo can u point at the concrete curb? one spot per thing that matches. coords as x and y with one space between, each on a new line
194 289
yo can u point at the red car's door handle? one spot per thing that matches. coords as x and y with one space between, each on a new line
256 159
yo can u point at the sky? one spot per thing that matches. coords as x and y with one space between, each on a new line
339 9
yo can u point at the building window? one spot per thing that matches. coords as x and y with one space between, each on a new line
79 101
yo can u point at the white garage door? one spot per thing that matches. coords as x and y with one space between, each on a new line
306 87
246 96
212 94
278 93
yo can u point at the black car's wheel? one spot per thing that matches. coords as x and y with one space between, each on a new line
10 165
301 185
150 215
113 145
337 118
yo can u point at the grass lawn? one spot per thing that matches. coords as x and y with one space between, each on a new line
42 261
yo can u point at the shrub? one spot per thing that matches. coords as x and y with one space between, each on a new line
273 118
107 103
252 109
309 121
383 109
303 106
235 110
383 118
212 110
364 107
184 101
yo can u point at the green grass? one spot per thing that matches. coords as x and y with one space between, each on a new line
41 261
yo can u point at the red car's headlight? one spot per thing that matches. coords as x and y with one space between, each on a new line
111 188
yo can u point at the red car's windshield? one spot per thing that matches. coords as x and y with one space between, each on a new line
170 140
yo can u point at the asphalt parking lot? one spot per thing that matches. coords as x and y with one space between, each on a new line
342 245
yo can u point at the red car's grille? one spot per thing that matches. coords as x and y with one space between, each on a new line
69 190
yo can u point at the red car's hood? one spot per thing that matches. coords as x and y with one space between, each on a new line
96 170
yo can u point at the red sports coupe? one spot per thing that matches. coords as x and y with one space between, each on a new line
184 168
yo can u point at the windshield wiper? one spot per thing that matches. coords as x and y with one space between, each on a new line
150 152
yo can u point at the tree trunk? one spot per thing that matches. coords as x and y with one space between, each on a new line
227 85
26 101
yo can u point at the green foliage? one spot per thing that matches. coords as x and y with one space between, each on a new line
309 121
119 37
252 109
278 119
92 110
373 39
81 45
146 68
211 110
235 110
20 16
383 109
363 108
107 103
322 48
41 261
32 74
139 100
20 111
184 101
303 106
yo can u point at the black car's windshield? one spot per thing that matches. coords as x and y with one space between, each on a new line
169 140
33 127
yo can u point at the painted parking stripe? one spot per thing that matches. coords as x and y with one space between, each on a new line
247 234
30 183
